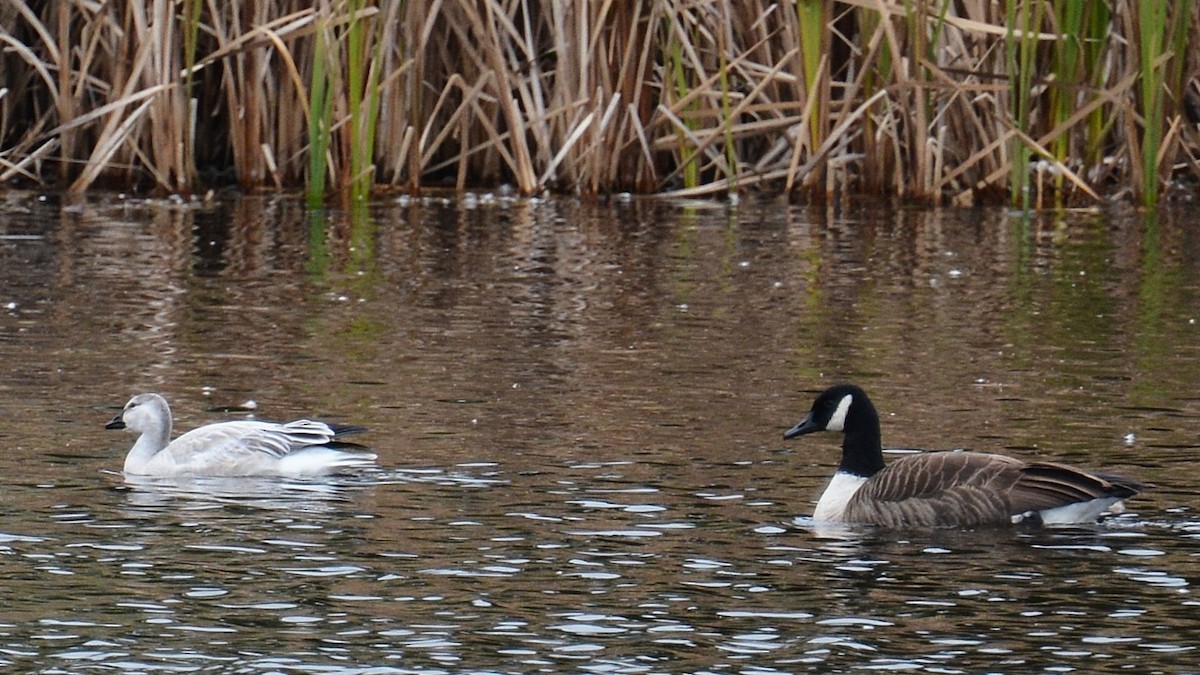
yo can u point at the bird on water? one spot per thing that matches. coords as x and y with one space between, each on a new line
302 448
946 489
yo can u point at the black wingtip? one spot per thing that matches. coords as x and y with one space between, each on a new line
347 429
1120 486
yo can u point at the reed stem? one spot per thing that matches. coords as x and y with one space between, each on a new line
1152 21
320 117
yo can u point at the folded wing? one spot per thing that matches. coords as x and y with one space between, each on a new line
965 489
243 447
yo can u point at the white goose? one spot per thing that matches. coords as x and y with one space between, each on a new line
946 489
236 448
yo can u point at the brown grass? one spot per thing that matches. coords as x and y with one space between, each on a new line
926 101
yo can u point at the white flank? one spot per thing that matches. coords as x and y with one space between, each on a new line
838 421
832 504
1080 512
318 460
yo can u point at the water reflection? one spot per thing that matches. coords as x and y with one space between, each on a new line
577 409
192 493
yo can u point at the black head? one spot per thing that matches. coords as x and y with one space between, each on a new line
834 409
847 409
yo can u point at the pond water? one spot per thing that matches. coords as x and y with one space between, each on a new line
578 409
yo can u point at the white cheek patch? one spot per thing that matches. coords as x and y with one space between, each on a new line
838 421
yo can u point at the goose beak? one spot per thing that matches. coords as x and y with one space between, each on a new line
117 422
806 426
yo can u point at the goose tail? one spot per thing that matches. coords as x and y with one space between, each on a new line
1056 494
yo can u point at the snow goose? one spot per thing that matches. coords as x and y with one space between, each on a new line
235 448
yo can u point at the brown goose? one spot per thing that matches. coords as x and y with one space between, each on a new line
946 489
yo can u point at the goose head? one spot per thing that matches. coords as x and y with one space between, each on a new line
143 413
843 408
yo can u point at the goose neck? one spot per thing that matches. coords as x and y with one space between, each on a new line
148 444
862 450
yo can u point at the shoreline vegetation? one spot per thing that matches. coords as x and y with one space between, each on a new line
1030 103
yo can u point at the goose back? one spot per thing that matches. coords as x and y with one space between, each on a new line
943 489
238 448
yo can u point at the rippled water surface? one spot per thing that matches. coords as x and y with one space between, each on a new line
578 410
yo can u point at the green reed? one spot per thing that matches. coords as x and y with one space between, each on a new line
1069 17
363 91
813 19
1021 44
1152 22
320 120
680 89
1096 29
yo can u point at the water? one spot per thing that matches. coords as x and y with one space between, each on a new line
578 411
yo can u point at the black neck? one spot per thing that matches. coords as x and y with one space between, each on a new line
862 449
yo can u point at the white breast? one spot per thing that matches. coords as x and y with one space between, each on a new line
832 505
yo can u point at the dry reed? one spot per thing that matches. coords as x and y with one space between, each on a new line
927 100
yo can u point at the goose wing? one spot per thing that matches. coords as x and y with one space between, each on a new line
939 489
1046 485
239 447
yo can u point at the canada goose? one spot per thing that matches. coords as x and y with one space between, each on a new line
946 489
236 448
